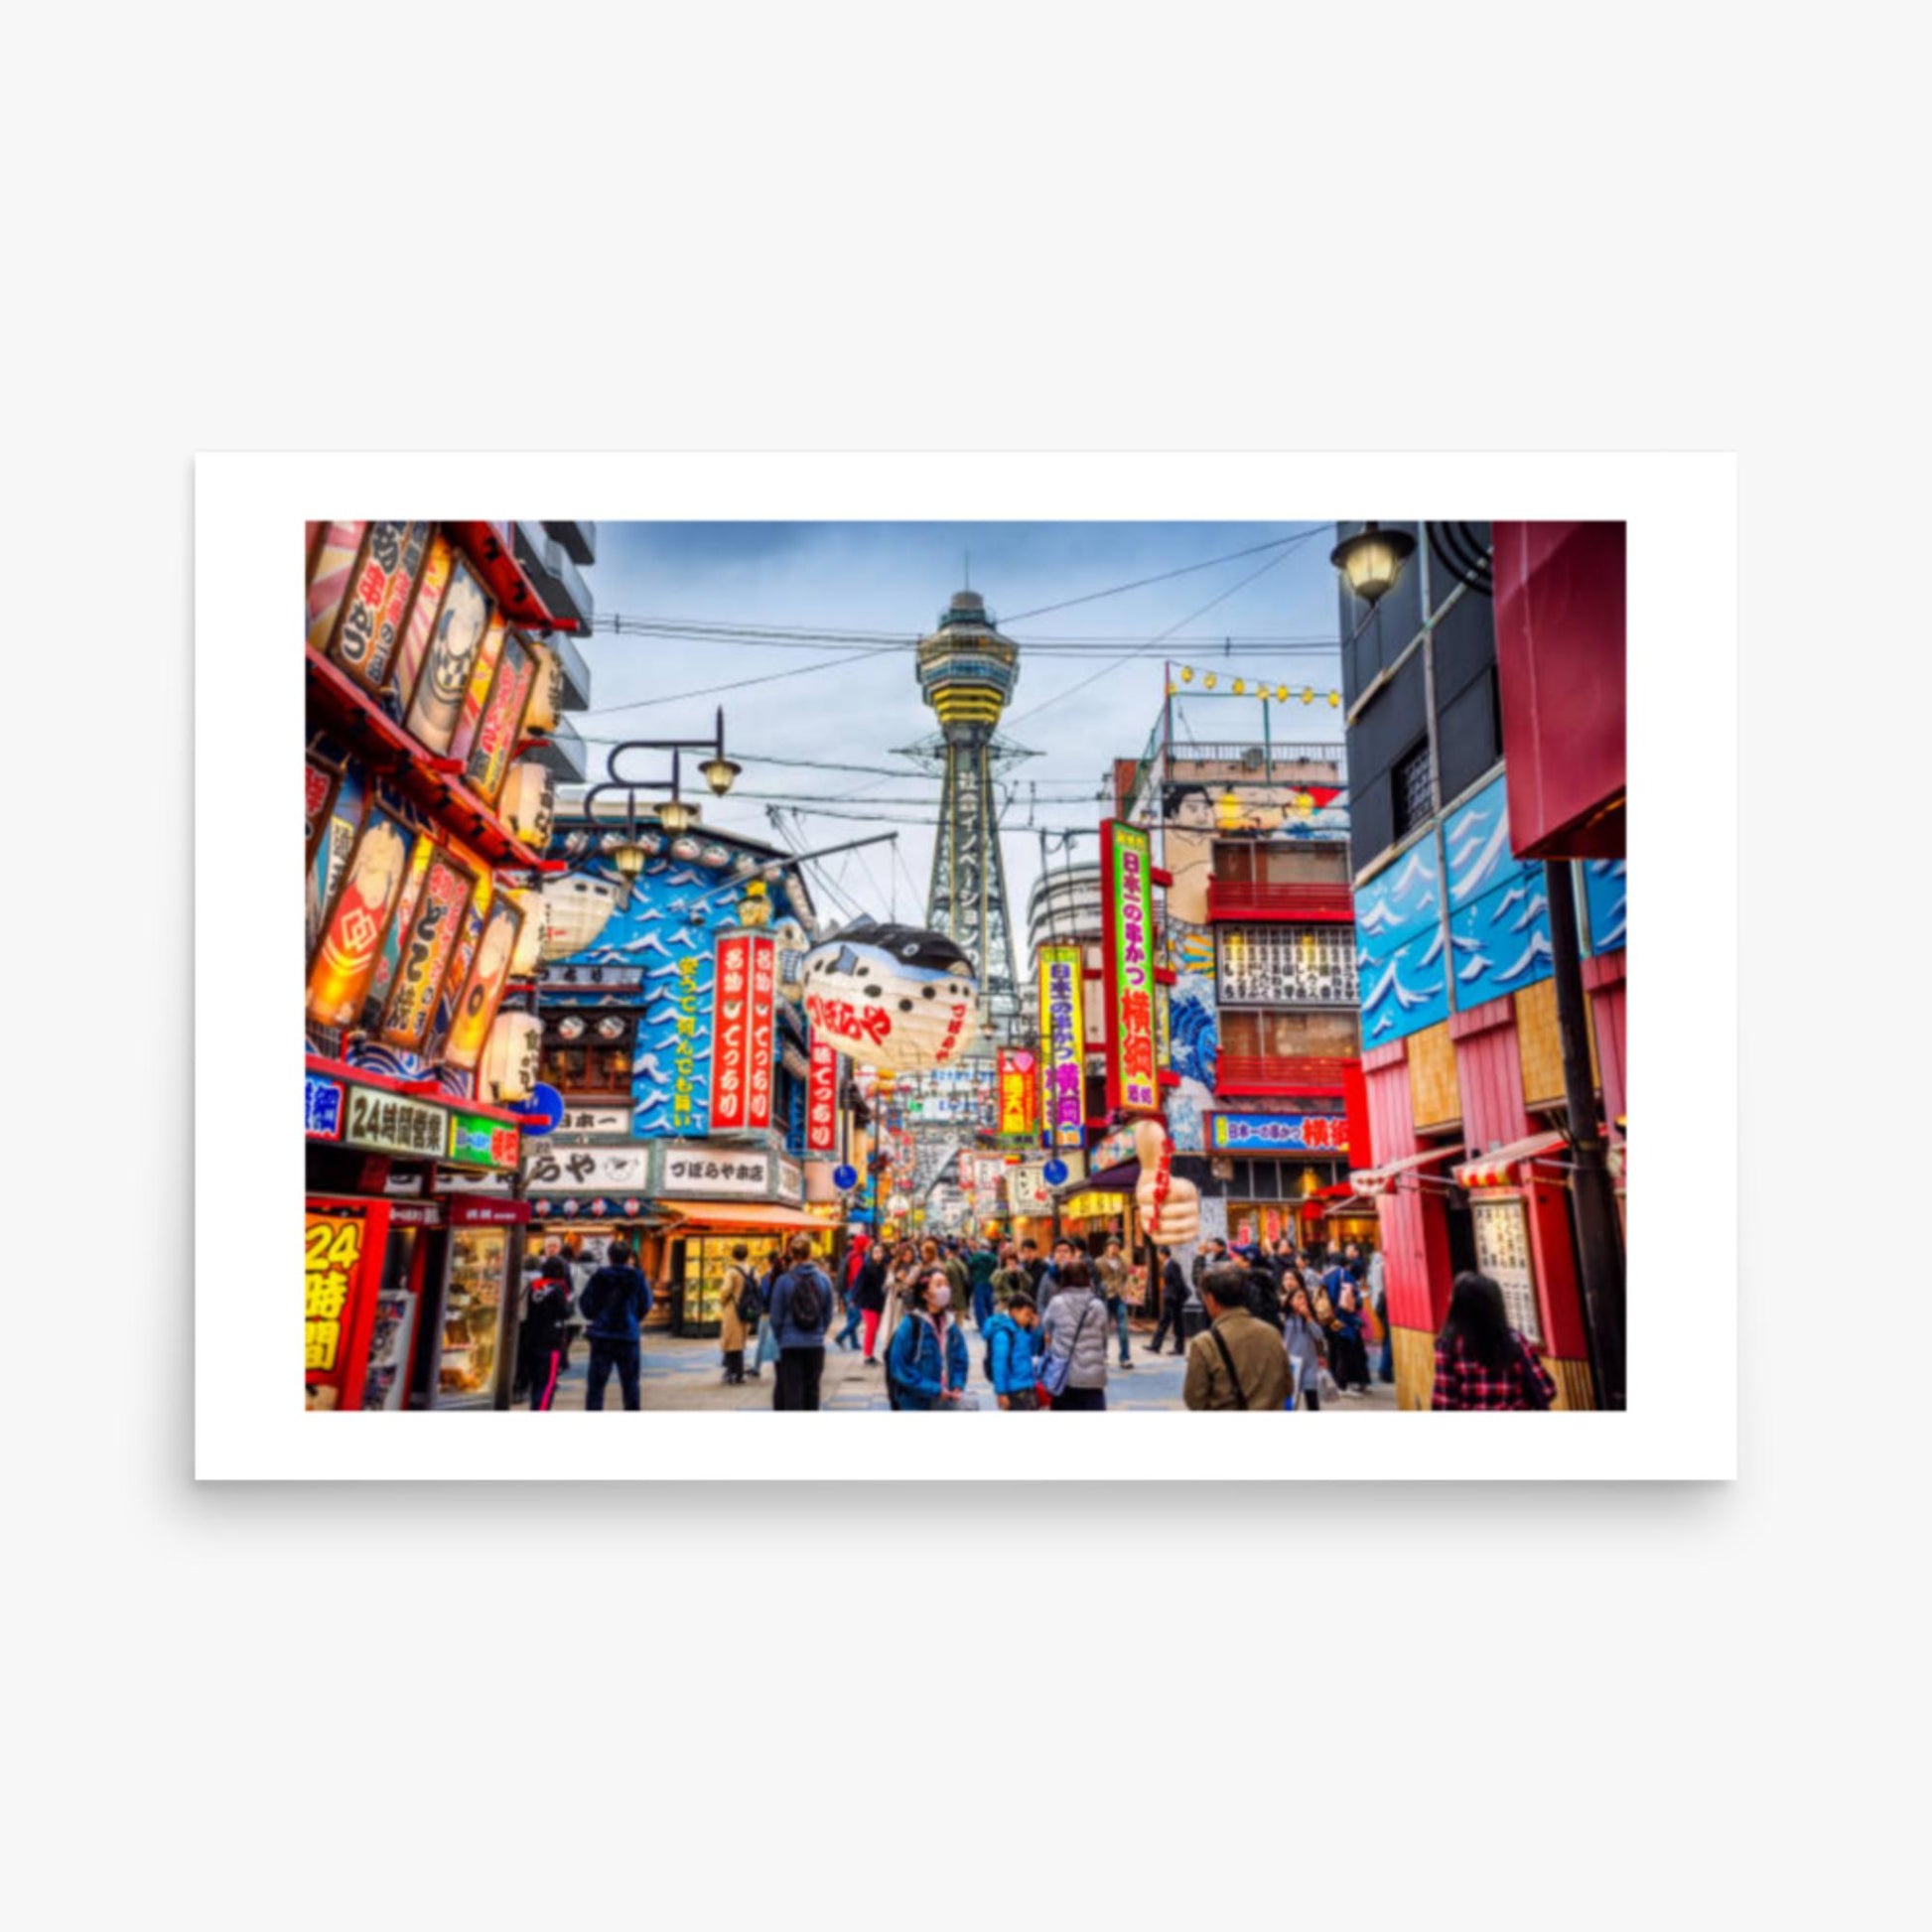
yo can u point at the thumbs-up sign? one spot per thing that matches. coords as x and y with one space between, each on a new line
1169 1208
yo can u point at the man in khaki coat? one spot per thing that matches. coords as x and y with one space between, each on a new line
732 1330
1237 1362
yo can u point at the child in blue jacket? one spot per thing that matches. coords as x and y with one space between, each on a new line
1010 1343
928 1335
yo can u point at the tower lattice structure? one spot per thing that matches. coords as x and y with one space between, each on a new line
967 672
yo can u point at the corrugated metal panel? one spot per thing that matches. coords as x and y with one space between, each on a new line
1609 1019
1489 1072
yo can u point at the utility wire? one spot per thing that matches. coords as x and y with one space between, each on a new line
1233 556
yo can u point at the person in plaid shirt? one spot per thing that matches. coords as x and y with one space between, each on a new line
1481 1362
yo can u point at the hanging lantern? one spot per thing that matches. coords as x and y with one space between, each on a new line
1334 699
528 954
1308 694
1241 687
511 1059
1187 674
1280 694
529 803
754 908
893 997
1208 680
575 911
546 691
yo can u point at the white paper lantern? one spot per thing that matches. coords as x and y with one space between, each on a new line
893 996
546 691
529 939
529 803
511 1059
575 911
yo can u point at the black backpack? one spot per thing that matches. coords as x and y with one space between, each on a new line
807 1301
751 1304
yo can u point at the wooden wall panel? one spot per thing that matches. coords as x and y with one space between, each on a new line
1574 1389
1415 1366
1433 1091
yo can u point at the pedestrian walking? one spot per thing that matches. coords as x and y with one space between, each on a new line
739 1306
1010 1354
1048 1284
1481 1362
980 1270
1347 1351
801 1311
927 1366
1073 1333
617 1299
546 1331
1034 1263
1304 1342
1111 1271
1010 1279
848 1334
1173 1302
1236 1362
1378 1300
872 1301
764 1350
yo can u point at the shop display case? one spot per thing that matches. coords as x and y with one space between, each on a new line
472 1315
386 1384
706 1258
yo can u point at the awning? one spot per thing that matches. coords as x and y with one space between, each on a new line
1381 1180
1122 1179
730 1215
1496 1168
1356 1207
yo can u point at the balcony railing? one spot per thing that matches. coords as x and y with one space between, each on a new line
1235 899
1253 1073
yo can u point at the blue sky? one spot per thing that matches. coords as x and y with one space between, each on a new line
858 710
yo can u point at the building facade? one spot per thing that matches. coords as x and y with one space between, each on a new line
440 669
1462 758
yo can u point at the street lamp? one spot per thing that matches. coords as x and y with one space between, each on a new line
1371 560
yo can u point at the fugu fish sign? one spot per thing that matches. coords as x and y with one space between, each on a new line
895 997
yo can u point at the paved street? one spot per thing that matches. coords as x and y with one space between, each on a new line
684 1375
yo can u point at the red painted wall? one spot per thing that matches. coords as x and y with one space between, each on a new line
1560 650
1415 1239
1610 1015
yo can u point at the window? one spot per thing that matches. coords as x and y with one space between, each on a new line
1276 965
586 1069
1288 1036
1413 802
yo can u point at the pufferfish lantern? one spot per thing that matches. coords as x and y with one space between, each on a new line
895 997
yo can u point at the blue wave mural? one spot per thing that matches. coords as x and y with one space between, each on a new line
1607 898
1399 947
666 929
1499 912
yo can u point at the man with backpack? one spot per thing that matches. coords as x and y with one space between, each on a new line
616 1301
801 1311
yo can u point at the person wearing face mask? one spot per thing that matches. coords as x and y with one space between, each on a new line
926 1366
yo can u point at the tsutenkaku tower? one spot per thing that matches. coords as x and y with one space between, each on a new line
967 672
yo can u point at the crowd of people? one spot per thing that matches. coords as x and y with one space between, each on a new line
1277 1328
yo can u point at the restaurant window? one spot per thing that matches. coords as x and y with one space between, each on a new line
1253 1034
586 1069
1245 863
1412 798
1273 965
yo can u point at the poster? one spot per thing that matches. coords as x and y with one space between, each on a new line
482 989
502 720
351 934
342 1243
423 613
425 954
483 673
329 580
452 657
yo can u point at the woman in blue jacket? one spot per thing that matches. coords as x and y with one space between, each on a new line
1010 1343
927 1335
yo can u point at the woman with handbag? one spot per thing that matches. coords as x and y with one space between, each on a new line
1481 1362
1303 1338
927 1366
1074 1329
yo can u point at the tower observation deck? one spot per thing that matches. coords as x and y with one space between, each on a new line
967 672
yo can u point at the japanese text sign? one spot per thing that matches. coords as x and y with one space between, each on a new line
1278 1133
343 1243
1127 913
1019 1093
1061 1047
822 1098
743 1033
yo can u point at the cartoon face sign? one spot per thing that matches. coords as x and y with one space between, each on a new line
892 996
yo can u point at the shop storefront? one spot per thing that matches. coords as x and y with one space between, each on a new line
723 1196
1281 1174
406 1304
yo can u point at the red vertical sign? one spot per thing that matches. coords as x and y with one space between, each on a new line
731 1033
763 1046
822 1098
